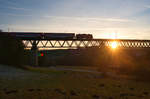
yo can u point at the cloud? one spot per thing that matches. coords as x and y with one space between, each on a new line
2 25
13 6
92 19
87 19
10 2
147 6
17 8
11 14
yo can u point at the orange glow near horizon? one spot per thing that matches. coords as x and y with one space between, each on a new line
114 45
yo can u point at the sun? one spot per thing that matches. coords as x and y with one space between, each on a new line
114 45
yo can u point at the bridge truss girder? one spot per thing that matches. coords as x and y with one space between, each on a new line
86 43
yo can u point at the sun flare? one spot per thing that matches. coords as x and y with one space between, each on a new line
114 45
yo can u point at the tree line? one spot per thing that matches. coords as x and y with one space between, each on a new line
12 51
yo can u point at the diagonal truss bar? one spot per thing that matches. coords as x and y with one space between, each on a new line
86 43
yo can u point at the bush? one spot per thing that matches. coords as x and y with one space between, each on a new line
11 51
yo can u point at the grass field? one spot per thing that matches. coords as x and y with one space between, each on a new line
44 83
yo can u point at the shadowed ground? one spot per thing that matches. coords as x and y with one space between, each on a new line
62 83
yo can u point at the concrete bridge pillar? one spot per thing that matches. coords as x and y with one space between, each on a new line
34 53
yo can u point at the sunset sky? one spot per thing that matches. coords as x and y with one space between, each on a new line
129 19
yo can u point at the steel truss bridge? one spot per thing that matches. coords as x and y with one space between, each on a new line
76 43
36 44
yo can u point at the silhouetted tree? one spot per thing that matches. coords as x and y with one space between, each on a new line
11 51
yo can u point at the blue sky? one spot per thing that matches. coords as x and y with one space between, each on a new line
103 18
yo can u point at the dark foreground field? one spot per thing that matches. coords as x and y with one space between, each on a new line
40 83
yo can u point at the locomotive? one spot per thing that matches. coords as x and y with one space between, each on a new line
84 36
46 36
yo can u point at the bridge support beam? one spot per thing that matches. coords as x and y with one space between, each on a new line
34 53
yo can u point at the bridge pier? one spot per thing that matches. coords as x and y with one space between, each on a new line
34 53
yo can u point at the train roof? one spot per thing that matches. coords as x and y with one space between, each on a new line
23 32
59 33
37 32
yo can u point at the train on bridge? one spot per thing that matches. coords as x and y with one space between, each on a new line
72 40
46 36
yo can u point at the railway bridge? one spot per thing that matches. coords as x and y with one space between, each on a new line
75 43
34 44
